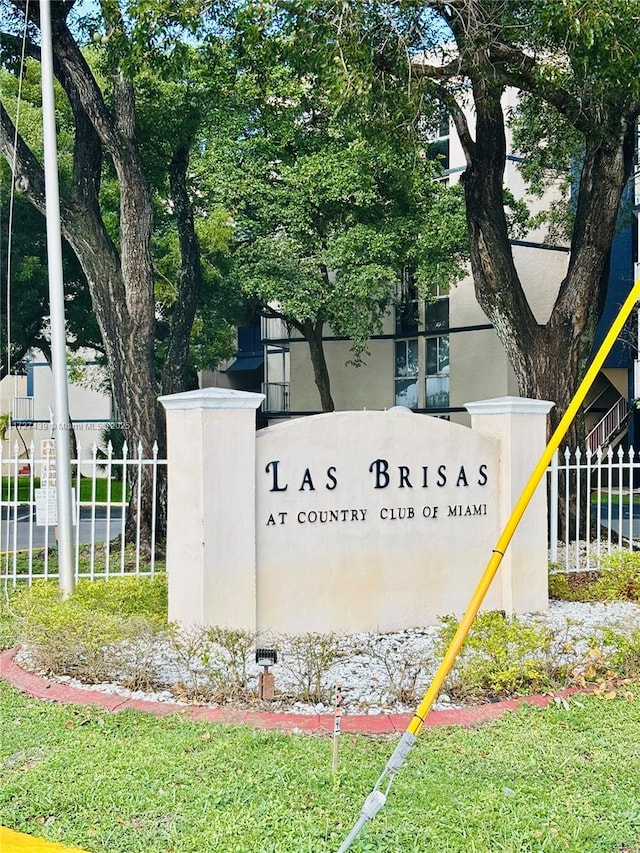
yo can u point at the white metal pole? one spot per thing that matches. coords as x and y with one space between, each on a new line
553 510
635 402
62 424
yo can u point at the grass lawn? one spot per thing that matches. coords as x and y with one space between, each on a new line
561 779
117 560
614 497
86 489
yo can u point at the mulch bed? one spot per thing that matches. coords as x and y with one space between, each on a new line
579 584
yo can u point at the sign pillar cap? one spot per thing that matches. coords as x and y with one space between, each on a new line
212 398
509 406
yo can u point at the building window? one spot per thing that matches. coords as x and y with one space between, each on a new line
436 314
406 380
437 373
407 306
439 149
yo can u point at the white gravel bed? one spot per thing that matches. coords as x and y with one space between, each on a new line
584 556
373 668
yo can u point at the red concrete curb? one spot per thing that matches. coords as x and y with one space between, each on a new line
379 724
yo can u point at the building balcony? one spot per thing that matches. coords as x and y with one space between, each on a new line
276 396
22 410
274 329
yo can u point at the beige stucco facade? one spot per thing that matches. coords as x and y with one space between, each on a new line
477 367
31 403
367 387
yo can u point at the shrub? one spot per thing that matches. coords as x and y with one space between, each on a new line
571 586
619 578
190 647
559 586
593 667
111 630
235 646
501 657
212 662
126 596
308 658
134 659
9 625
625 655
404 667
94 632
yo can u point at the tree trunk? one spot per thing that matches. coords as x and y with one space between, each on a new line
313 335
176 365
120 282
120 279
549 360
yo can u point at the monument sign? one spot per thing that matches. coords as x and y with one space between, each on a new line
350 521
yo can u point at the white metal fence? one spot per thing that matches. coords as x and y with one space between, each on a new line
594 509
594 506
106 491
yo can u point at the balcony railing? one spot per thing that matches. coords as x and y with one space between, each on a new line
276 396
272 328
22 409
609 425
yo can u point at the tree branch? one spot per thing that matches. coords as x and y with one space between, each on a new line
9 40
271 313
29 174
522 71
83 91
439 75
87 157
448 71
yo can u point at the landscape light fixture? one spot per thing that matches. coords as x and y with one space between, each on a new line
266 681
266 658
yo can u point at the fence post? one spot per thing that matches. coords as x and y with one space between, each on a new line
211 554
521 427
553 510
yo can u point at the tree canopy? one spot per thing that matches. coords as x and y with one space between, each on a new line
575 63
308 118
126 125
330 207
114 169
28 310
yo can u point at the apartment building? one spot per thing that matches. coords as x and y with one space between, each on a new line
435 355
28 396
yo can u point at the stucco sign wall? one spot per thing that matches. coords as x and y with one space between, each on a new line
367 519
349 521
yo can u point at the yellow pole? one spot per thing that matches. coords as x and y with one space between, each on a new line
431 695
377 798
16 842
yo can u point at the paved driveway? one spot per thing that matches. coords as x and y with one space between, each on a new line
19 531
